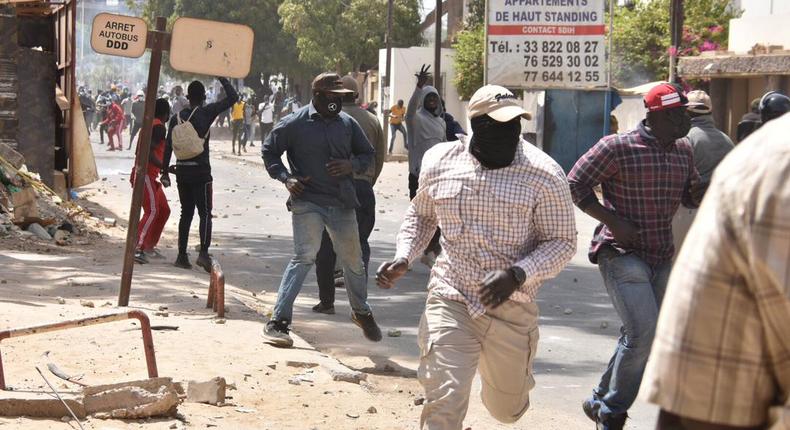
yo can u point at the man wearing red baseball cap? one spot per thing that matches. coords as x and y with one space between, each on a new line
645 175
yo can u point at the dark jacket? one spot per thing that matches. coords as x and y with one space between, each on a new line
310 142
199 168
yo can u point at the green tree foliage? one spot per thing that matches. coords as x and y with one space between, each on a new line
346 35
469 46
642 37
469 60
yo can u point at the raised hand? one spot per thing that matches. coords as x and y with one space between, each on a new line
423 76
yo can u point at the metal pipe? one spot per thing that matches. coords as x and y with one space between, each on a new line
385 80
145 325
437 56
216 289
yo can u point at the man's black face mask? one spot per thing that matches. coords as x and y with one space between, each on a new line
327 104
669 125
494 143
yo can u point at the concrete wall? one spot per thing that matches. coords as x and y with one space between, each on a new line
764 22
405 63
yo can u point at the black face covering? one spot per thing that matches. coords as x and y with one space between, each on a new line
328 105
494 143
669 125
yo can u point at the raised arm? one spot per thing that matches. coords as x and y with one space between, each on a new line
219 106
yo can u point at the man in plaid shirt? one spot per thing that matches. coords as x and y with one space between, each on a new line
721 358
507 224
645 175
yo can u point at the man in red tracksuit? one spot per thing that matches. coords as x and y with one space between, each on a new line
155 207
114 121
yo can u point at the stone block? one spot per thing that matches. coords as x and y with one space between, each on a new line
211 391
155 397
39 405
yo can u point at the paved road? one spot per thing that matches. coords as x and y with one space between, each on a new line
252 233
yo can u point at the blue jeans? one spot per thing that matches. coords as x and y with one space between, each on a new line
309 222
325 259
636 289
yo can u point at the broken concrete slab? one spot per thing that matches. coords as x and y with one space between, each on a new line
301 364
39 231
25 205
39 405
154 397
211 391
12 156
341 373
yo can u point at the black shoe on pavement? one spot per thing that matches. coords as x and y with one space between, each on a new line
140 258
324 309
590 409
182 261
276 333
204 261
368 326
612 422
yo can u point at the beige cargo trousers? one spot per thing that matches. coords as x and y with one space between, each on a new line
453 346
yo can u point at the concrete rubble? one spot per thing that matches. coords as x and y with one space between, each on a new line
147 398
211 391
131 400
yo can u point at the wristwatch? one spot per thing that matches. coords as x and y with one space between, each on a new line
518 274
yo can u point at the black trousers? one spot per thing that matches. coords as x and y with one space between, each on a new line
136 126
266 128
325 259
434 245
195 194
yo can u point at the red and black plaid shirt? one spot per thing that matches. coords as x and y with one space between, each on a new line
643 182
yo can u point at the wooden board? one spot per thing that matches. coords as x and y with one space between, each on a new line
211 48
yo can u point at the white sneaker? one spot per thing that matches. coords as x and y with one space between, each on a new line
154 254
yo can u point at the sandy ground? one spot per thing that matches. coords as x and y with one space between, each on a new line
253 241
36 274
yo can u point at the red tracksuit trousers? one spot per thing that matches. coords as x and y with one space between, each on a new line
156 211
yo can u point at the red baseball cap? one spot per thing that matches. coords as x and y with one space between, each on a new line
665 96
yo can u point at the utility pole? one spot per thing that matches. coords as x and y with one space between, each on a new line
158 41
676 17
385 80
437 56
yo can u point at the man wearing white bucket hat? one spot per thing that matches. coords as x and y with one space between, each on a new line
506 215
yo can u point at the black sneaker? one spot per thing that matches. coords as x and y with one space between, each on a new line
324 309
140 258
368 326
276 333
204 261
590 408
182 261
612 422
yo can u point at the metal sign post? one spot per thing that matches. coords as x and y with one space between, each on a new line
159 41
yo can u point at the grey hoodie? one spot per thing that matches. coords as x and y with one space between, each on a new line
710 145
424 128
